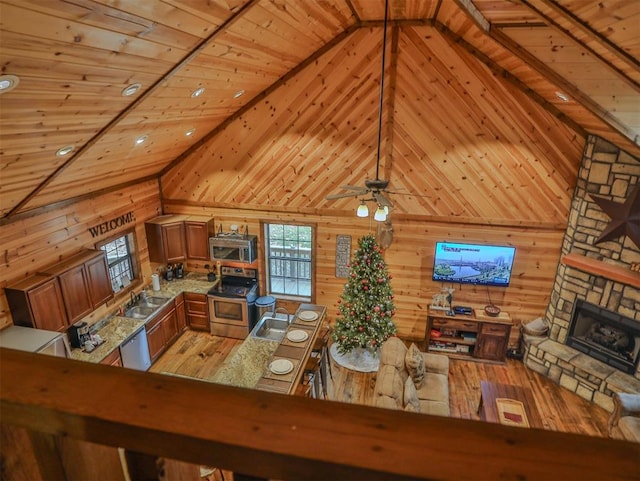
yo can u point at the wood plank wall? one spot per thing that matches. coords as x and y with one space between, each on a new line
38 241
35 242
410 260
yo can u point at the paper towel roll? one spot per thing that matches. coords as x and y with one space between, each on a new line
155 282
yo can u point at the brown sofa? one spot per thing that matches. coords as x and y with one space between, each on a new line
412 380
624 422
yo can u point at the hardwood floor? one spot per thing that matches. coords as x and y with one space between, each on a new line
200 355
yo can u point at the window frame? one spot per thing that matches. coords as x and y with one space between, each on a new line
130 235
266 281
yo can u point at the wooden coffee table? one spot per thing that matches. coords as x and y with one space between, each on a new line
488 408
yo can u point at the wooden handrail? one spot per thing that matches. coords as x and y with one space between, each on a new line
285 437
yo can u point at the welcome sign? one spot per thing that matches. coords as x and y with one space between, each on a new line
112 224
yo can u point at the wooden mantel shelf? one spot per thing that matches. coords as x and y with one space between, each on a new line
602 269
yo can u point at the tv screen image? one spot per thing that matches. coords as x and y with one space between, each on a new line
485 265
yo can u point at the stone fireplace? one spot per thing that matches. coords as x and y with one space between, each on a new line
605 335
594 287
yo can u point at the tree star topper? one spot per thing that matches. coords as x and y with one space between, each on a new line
625 218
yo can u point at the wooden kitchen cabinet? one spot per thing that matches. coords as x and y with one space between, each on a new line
84 282
162 330
166 239
37 302
473 337
113 359
181 313
197 233
197 311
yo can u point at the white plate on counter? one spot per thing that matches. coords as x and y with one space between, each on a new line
307 315
297 335
281 366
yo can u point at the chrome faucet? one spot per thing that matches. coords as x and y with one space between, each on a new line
286 312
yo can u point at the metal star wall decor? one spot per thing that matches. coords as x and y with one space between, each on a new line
625 218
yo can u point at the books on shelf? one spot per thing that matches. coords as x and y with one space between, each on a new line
443 346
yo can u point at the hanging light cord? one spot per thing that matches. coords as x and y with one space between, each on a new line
384 54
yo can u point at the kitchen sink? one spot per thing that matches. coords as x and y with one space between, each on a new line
271 328
152 301
140 312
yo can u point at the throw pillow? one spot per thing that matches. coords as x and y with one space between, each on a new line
415 364
411 401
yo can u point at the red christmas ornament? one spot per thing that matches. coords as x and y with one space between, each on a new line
367 317
366 288
339 301
380 280
373 342
360 329
377 308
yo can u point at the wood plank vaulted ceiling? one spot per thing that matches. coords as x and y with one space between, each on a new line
474 123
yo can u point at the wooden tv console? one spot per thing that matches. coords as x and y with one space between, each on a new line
474 336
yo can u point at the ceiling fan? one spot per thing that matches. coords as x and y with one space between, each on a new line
376 187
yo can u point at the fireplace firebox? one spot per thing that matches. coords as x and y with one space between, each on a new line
605 335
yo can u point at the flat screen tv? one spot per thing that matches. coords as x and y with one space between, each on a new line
479 264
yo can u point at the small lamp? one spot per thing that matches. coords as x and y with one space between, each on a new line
363 210
380 214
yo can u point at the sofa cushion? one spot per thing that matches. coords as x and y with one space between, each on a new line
435 408
392 353
414 362
389 383
436 363
435 387
385 402
410 398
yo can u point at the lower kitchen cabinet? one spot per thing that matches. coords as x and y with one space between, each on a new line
197 311
181 313
162 330
113 359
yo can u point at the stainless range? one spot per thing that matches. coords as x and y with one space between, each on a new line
232 311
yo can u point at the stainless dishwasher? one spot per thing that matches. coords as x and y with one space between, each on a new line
135 351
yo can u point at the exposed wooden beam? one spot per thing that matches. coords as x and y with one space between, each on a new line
472 11
286 437
574 24
131 107
562 84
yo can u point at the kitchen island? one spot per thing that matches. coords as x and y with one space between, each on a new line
250 365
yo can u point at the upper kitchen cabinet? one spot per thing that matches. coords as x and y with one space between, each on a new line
197 233
175 238
84 282
37 302
166 239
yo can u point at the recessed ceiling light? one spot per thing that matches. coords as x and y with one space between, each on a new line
8 82
65 151
239 93
141 139
189 132
562 96
131 89
197 92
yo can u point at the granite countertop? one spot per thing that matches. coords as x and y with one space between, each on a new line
246 366
116 329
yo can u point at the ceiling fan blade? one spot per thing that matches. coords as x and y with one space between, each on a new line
342 196
382 200
355 187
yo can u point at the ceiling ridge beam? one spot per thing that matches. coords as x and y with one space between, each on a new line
114 121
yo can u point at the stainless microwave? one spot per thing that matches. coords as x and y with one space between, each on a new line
233 248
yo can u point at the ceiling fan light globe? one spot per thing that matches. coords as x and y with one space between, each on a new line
380 215
363 210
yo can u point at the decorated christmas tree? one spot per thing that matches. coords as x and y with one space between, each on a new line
366 308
